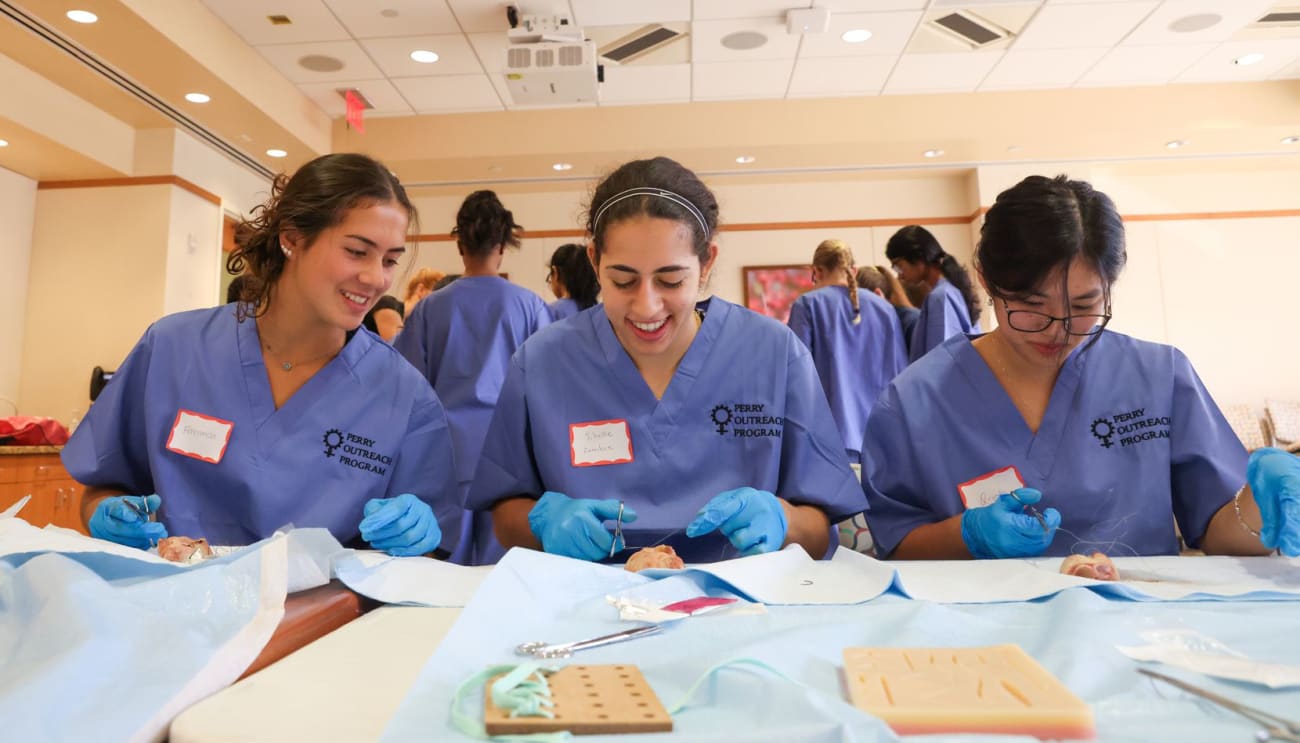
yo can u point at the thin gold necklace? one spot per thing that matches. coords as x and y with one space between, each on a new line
289 365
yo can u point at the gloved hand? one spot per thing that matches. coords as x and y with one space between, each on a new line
572 526
752 519
403 526
122 519
1003 529
1274 477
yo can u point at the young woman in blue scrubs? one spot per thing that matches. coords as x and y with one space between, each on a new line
232 422
950 306
1107 438
854 336
461 338
705 422
572 280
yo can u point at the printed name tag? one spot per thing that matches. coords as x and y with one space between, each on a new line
600 442
199 436
985 489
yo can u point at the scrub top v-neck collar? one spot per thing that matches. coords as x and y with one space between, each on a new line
636 393
1005 422
273 424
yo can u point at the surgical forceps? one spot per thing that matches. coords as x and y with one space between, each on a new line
1275 728
564 650
618 531
144 512
1031 511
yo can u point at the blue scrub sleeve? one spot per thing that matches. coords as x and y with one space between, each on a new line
814 466
506 466
410 342
425 467
1207 460
889 464
110 448
801 322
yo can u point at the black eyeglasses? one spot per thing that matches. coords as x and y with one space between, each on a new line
1027 321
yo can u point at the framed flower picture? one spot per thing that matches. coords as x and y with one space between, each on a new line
770 290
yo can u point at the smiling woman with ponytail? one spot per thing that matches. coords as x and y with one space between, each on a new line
855 338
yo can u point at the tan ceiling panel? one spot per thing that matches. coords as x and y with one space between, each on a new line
380 93
1161 27
1071 26
761 78
890 33
448 93
393 55
366 19
646 84
836 77
310 20
1145 65
1041 68
291 61
617 12
709 38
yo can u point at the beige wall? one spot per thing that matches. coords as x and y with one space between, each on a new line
17 203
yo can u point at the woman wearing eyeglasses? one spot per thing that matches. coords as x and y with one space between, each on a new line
1050 435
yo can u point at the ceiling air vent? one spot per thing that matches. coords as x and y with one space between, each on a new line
969 28
639 43
1288 17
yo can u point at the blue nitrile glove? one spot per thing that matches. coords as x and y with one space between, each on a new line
403 526
752 519
1274 477
122 519
573 526
1003 529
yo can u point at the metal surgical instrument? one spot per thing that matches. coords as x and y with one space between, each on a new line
564 650
1031 511
618 531
1275 728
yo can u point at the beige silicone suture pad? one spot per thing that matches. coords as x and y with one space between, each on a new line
589 700
996 689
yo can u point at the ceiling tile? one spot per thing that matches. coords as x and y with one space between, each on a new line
385 98
1082 26
764 78
1288 72
890 33
625 84
476 16
311 20
1144 65
491 50
1041 68
707 37
1218 66
934 73
821 77
356 64
1233 15
366 19
867 6
706 10
615 12
455 55
449 93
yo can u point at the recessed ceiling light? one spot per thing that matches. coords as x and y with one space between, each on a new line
1290 140
424 56
197 97
1190 24
856 35
745 159
562 166
276 153
1174 144
932 153
4 143
744 40
82 16
1248 59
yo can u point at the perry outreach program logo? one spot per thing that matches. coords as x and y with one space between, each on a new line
1127 429
745 420
358 451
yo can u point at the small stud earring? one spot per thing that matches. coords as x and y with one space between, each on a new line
990 301
285 250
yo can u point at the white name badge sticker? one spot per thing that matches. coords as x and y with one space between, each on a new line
199 436
985 489
599 443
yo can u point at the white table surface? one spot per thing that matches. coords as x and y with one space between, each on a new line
344 687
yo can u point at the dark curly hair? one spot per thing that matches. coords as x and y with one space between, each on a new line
315 199
915 243
656 173
484 223
573 269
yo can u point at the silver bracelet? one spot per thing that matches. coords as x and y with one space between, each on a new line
1236 506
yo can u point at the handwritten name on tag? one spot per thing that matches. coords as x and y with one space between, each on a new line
985 489
600 443
199 436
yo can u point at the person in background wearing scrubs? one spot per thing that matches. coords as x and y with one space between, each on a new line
461 337
422 284
883 283
706 421
950 306
1108 435
230 423
385 318
572 280
854 337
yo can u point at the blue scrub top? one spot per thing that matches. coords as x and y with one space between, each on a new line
907 317
365 426
1131 440
854 362
744 408
943 315
461 338
563 308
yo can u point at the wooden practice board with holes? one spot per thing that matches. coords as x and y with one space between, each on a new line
589 700
996 689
